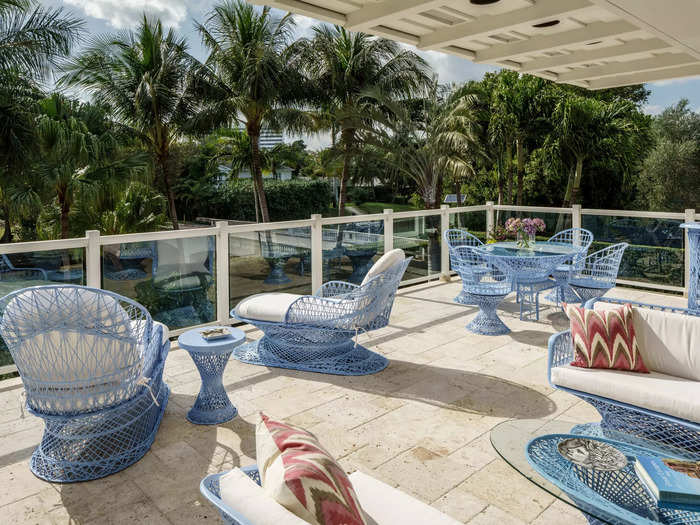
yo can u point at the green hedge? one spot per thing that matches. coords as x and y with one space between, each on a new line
286 200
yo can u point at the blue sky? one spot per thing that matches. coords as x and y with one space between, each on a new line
109 15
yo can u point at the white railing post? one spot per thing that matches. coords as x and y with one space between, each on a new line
576 216
222 273
490 218
388 230
689 217
444 249
316 253
93 259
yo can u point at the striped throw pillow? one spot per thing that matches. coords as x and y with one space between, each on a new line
605 339
302 476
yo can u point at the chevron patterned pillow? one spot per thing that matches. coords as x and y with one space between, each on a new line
302 476
605 339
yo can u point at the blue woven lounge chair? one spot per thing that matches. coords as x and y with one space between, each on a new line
597 273
8 271
625 421
315 332
483 285
576 237
91 363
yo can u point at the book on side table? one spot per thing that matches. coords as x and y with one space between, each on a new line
673 482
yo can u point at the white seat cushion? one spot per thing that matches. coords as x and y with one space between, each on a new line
655 391
266 306
385 262
387 505
669 342
246 497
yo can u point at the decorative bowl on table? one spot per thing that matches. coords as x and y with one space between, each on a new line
211 334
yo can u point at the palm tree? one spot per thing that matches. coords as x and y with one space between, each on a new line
72 156
33 38
345 69
144 76
248 76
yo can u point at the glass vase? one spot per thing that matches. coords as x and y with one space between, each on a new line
522 240
531 239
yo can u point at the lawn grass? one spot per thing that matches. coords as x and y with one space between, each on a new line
379 207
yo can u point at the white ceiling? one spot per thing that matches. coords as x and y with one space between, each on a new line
591 43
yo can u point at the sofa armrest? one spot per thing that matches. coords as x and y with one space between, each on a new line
561 352
663 308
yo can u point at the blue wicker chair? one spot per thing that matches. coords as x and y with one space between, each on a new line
576 237
92 364
210 489
483 285
622 421
455 237
315 333
597 273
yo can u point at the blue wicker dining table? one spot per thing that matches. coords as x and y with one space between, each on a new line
528 269
213 405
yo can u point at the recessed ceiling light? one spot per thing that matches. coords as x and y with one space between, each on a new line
594 43
548 23
483 2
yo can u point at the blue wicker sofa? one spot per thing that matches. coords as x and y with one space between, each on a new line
662 408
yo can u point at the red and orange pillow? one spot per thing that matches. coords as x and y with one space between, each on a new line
605 339
302 476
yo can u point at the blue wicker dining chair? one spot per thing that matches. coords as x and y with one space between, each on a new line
315 333
581 238
597 273
455 237
483 285
91 363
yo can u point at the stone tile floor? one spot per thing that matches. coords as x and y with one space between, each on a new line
422 424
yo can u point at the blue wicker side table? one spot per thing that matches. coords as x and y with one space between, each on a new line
213 405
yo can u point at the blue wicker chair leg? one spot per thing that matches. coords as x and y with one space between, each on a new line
487 321
584 294
324 351
530 299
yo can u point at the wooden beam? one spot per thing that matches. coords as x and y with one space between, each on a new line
485 25
577 58
667 61
538 44
372 15
641 78
302 8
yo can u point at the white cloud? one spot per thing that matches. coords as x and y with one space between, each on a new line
128 13
652 109
304 24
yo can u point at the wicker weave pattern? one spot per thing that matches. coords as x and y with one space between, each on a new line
578 237
317 334
453 238
628 423
618 497
91 363
694 282
484 285
598 272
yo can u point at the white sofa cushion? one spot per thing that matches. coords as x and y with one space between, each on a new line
387 505
266 306
385 262
245 496
669 342
655 391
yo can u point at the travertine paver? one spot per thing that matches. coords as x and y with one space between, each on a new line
422 424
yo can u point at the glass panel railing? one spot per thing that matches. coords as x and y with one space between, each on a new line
554 222
350 250
23 270
472 221
274 261
656 253
420 238
174 279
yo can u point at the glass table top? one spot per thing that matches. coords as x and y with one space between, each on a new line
538 249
